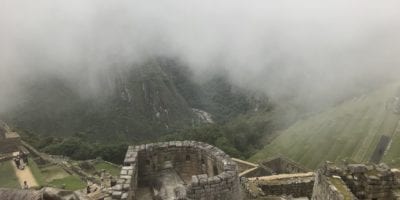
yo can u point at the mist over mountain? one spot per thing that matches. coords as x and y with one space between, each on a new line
308 81
147 101
313 51
138 69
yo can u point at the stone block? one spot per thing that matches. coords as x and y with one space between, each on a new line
117 187
357 168
117 194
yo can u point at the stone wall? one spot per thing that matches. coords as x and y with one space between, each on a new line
324 189
282 165
257 172
206 170
2 132
297 187
369 182
244 165
10 143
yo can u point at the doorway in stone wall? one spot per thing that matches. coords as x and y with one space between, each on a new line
215 170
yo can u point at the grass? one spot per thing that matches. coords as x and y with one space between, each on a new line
68 183
342 188
8 179
114 170
36 172
52 172
350 130
54 176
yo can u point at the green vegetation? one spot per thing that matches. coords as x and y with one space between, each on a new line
53 175
77 147
342 188
36 172
45 175
141 103
114 170
8 179
240 138
69 183
149 103
144 103
51 172
349 130
216 95
392 156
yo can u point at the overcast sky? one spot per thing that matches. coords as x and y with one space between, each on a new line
278 47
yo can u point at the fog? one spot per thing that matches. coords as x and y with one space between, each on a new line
312 50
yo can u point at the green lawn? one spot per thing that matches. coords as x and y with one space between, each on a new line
7 176
350 130
342 188
52 172
55 176
114 170
70 183
36 172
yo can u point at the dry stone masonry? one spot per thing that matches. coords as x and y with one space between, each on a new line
9 141
275 186
330 182
332 188
193 170
189 170
281 165
358 181
277 165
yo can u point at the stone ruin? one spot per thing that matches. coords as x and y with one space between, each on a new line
274 166
45 193
282 165
330 181
357 181
276 178
9 141
177 170
279 186
189 170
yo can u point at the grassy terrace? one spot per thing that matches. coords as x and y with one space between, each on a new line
341 187
55 176
349 130
36 172
70 182
114 170
7 176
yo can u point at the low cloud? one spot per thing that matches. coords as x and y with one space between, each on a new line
312 50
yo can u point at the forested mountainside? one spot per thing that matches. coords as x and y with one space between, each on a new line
146 101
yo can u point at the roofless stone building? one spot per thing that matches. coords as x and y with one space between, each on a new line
177 170
189 170
9 141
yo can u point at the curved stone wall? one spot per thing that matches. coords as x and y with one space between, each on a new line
207 172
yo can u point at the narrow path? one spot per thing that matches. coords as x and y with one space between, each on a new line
25 175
